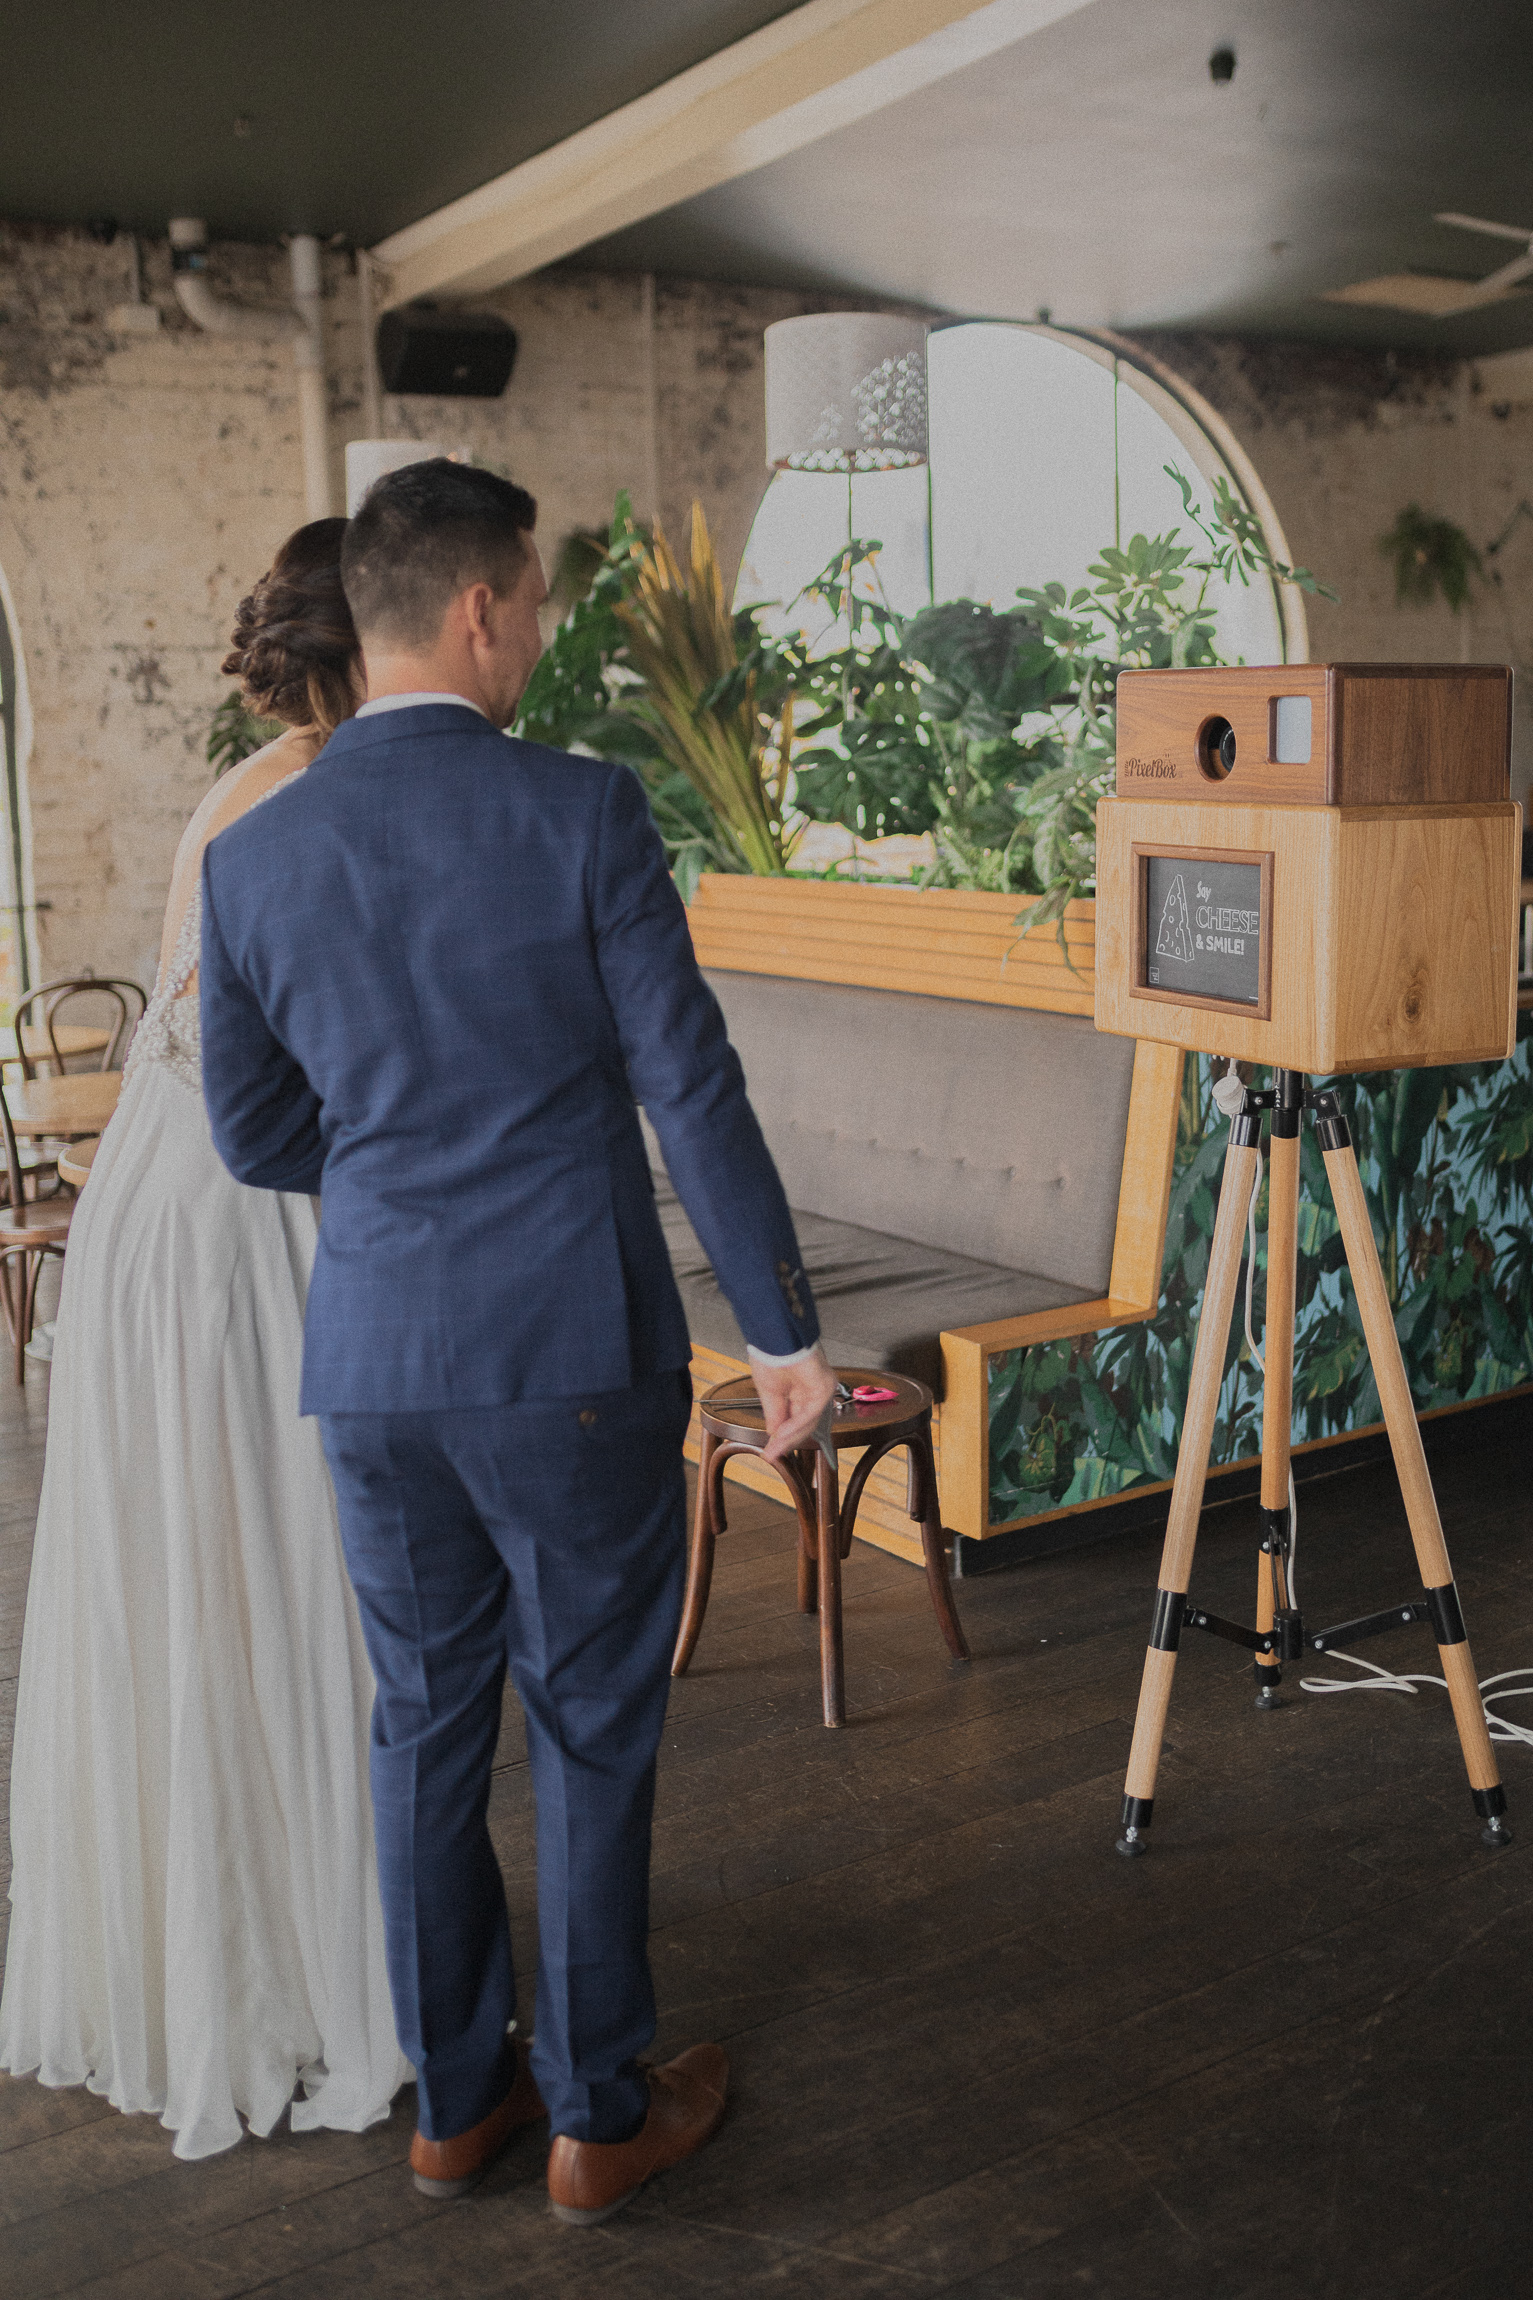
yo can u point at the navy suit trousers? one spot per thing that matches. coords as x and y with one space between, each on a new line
548 1537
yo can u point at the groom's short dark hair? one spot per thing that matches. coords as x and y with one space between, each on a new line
422 535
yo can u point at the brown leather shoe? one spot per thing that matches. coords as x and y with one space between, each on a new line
589 2180
445 2168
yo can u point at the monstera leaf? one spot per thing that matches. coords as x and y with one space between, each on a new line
1436 1149
985 670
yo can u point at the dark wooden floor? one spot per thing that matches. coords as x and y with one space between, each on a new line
975 2053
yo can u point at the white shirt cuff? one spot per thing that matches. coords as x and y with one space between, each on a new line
765 1358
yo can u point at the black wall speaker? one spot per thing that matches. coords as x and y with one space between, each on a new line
450 354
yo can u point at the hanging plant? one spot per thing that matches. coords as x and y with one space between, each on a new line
1431 558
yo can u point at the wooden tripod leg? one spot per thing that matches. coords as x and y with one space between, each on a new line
827 1495
1415 1479
1272 1587
1240 1166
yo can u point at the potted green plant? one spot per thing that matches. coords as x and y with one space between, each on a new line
989 730
637 671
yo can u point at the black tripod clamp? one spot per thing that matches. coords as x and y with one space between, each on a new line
1287 1100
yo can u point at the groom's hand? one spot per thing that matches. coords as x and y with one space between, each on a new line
793 1399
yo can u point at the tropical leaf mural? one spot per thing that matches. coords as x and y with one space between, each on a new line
1446 1158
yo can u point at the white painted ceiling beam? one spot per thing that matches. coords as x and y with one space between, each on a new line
819 68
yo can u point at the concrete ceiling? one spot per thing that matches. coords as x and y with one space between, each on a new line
1096 170
330 116
1092 169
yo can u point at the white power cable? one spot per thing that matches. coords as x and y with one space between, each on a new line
1381 1680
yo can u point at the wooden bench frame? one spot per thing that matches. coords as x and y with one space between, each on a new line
949 944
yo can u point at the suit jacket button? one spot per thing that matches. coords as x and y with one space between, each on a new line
587 1416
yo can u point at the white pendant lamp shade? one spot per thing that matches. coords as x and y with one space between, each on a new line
845 391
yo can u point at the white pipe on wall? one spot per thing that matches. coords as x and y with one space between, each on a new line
212 312
302 326
651 457
372 387
309 355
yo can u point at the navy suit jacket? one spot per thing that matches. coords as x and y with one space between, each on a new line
438 972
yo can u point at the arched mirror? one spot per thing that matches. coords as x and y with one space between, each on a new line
1045 447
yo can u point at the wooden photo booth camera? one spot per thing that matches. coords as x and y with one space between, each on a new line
1313 867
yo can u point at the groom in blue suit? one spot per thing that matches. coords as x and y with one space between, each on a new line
439 972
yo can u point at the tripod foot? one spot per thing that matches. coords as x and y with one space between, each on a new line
1267 1694
1136 1819
1490 1804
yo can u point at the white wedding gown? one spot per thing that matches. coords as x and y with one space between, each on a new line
195 1919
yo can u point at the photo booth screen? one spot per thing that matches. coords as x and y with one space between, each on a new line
1203 928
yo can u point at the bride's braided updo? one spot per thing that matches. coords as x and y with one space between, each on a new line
295 645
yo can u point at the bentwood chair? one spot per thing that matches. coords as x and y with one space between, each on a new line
31 1232
41 1037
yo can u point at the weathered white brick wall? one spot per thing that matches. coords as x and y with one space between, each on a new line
1343 441
145 482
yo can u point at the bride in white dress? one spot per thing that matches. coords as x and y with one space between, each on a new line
195 1924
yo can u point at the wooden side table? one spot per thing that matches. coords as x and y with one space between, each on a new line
733 1422
77 1105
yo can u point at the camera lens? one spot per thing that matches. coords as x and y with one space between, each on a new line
1216 748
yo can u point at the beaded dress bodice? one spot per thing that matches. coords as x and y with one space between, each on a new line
171 1030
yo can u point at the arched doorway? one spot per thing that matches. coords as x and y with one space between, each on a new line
18 952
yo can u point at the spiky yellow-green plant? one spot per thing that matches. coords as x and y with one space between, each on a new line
681 641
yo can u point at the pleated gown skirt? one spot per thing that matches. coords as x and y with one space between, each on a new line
195 1924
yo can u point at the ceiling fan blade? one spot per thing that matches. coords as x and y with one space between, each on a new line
1478 224
1429 294
1496 285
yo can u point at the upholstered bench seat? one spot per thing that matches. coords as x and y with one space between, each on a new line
974 1170
883 1301
948 1163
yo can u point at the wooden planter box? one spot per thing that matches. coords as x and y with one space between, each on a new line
948 944
937 940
